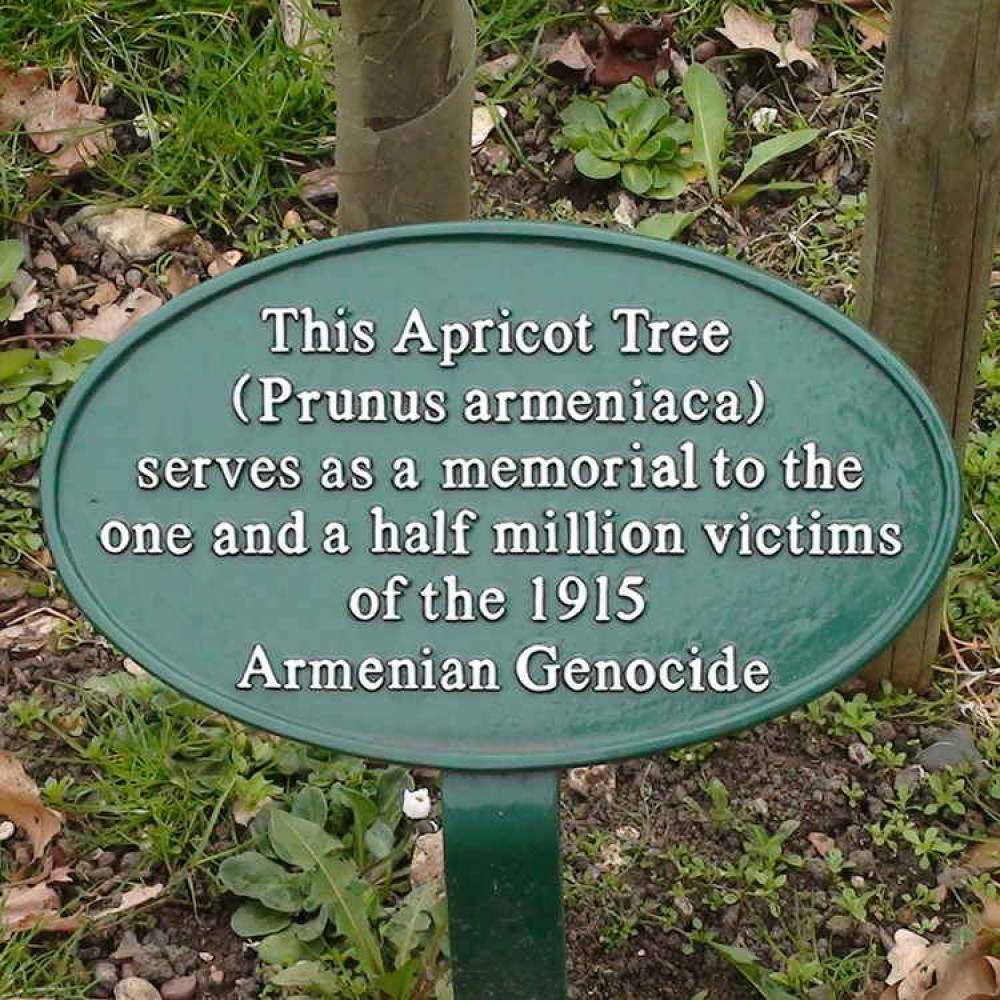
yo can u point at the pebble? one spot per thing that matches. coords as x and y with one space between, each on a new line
860 754
840 926
954 877
6 830
66 277
106 975
135 988
820 871
58 323
955 749
884 732
133 277
821 993
183 959
111 262
181 988
217 976
151 963
130 860
127 948
863 860
705 51
46 261
247 988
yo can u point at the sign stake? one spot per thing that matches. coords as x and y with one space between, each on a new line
504 884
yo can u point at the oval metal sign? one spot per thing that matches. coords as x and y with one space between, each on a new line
496 496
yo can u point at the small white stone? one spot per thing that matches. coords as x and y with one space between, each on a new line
483 123
6 830
763 119
417 804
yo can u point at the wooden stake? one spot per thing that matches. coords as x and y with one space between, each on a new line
932 219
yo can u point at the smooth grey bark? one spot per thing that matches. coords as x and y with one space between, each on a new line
405 74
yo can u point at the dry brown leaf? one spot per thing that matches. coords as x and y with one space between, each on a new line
943 972
105 292
27 301
497 69
179 280
132 898
299 26
983 857
629 50
906 954
244 812
20 802
822 844
114 319
751 31
802 26
75 157
224 262
57 121
30 635
570 55
874 27
319 185
34 907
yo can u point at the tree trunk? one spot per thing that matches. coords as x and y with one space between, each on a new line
405 74
932 217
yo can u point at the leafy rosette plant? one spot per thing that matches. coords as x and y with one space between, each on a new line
325 901
633 134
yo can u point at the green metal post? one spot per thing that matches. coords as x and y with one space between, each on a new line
504 885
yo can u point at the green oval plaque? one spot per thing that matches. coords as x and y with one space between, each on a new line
496 496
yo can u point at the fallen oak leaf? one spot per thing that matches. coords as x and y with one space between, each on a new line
57 121
75 157
54 117
131 899
752 32
18 89
20 802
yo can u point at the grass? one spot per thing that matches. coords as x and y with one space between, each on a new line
230 110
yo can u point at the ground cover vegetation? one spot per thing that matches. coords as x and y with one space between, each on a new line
848 850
